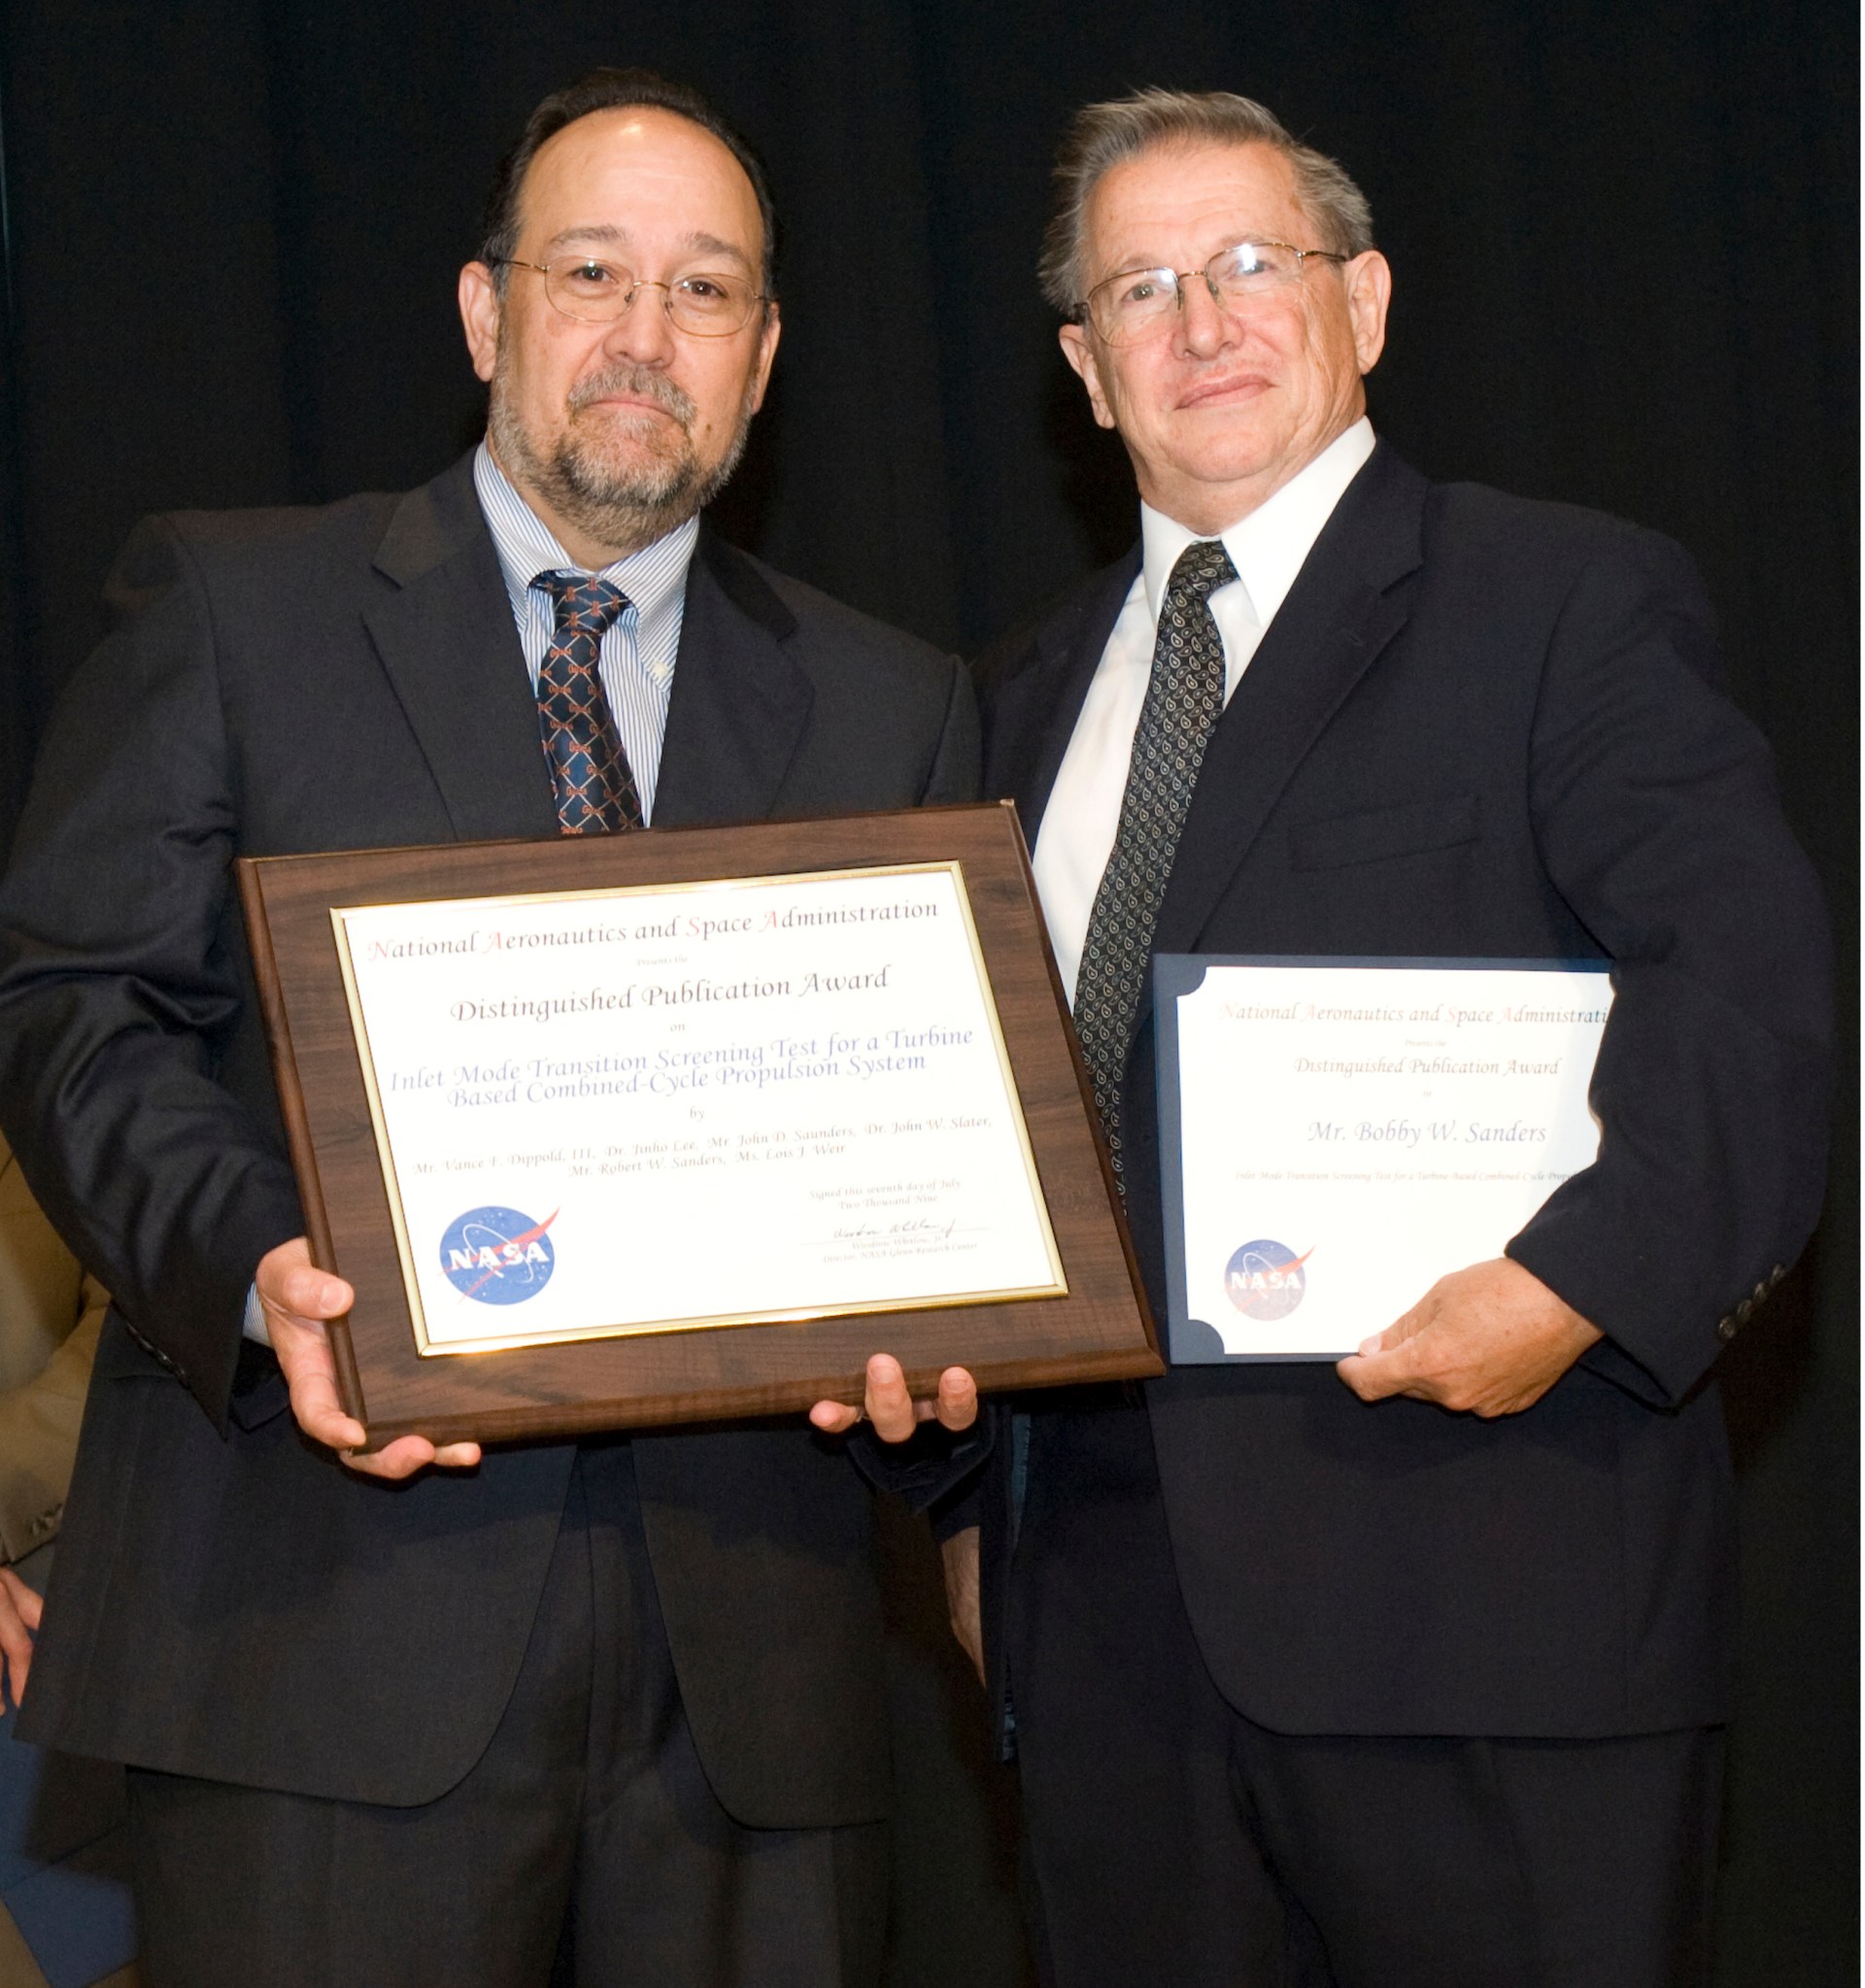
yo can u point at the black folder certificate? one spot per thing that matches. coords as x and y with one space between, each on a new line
1338 1136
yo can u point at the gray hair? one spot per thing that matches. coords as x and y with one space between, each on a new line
1103 136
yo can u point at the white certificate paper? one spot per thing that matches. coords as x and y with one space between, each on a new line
653 1109
1348 1134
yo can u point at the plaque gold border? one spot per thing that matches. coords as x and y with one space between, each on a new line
429 1349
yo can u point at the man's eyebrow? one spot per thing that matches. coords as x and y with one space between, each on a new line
712 244
591 231
607 233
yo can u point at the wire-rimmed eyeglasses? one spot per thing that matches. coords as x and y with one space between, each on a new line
706 304
1134 303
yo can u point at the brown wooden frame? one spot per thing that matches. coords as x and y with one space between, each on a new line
1101 1329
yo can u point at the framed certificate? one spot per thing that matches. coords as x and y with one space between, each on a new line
680 1125
1337 1134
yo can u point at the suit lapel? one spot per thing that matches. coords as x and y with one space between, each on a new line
739 703
1049 696
1344 608
448 642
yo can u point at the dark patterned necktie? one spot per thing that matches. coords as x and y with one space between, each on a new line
596 789
1184 700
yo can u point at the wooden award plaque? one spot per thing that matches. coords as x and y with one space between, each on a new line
1090 1323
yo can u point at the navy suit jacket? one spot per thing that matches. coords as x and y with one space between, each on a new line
1488 728
229 1601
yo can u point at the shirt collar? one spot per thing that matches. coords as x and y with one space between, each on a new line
1266 547
655 578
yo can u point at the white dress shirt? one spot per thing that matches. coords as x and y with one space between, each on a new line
1268 549
635 661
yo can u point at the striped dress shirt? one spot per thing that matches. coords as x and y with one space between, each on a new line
637 656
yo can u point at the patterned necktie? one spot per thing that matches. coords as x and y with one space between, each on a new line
1184 700
596 789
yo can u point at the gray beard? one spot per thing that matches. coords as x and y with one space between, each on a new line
624 507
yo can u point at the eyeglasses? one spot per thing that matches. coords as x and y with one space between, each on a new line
1135 303
712 305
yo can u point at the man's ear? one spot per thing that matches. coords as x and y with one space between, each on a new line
766 351
1368 294
479 313
1078 350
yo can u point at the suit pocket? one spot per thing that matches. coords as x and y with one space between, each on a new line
1384 833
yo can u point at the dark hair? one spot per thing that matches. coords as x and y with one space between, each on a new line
613 89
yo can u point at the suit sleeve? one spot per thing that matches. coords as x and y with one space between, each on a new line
1654 808
122 974
954 772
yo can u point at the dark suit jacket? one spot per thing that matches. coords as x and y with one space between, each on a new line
229 1601
1482 727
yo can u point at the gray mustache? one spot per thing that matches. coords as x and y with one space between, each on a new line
640 380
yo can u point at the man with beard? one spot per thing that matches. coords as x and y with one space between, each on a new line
612 1708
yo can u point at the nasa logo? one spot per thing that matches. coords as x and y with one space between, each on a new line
1265 1280
498 1256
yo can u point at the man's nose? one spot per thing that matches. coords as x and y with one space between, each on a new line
1204 327
643 332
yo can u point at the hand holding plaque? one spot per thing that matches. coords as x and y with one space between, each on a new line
889 1405
299 1303
611 1131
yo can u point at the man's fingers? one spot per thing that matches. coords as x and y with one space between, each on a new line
308 1292
27 1603
1388 1363
1379 1370
289 1282
408 1454
1361 1375
20 1616
325 1421
1489 1339
298 1299
394 1460
957 1403
889 1405
310 1373
959 1559
1406 1326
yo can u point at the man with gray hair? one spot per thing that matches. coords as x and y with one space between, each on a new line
1408 1673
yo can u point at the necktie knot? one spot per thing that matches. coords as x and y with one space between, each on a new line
586 604
1201 569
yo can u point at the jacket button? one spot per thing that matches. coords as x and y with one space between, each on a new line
1726 1329
1745 1311
1761 1292
1779 1271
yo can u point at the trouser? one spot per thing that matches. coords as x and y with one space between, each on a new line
585 1846
1173 1843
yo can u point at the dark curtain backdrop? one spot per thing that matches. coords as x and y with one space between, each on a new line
1625 246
